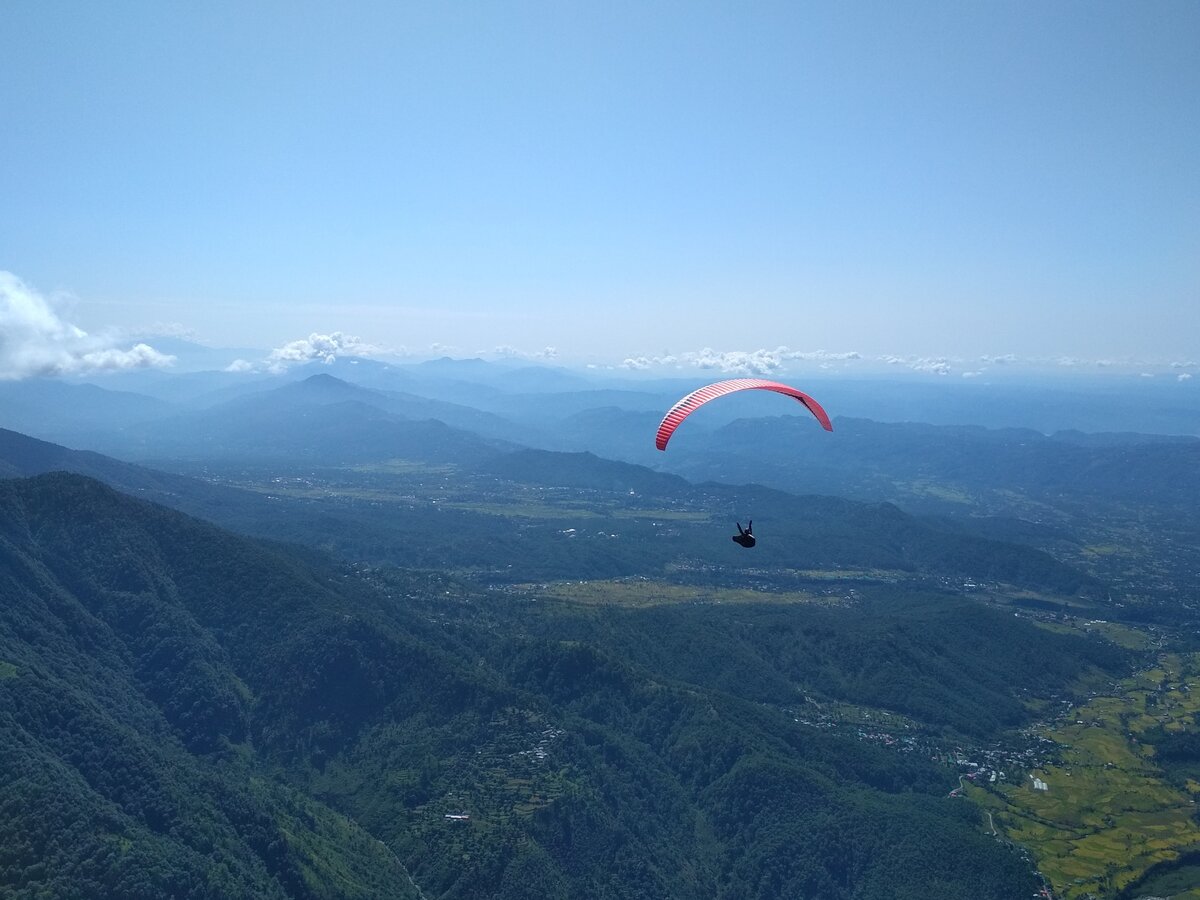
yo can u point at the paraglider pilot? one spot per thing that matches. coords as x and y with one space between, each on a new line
745 536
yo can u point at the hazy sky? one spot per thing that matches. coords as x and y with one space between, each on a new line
610 179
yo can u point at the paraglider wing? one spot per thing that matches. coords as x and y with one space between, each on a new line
698 398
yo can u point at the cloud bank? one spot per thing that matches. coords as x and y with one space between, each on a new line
770 362
737 362
36 340
504 351
317 347
939 365
326 348
323 347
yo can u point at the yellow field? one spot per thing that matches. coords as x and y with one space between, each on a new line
927 488
1108 815
638 593
404 467
564 510
1121 635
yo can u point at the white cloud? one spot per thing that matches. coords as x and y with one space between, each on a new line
1076 362
820 355
325 348
1184 376
241 365
36 340
505 351
738 362
139 356
767 361
938 365
933 366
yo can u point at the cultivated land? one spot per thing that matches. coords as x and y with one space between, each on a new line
1108 813
638 592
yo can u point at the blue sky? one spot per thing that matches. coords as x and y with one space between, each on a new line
614 180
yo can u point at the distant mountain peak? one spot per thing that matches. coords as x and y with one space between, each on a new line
324 379
321 387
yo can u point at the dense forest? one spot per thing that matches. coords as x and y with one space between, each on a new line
192 713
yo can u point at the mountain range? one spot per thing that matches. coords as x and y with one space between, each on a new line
191 713
457 629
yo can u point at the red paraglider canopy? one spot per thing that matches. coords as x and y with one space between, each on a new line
696 399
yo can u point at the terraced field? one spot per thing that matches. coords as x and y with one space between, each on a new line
1108 814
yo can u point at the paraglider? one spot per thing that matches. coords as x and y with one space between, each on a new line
693 401
698 398
745 536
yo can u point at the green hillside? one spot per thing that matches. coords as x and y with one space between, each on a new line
193 713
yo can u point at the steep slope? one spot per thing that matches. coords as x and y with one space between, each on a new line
124 755
23 456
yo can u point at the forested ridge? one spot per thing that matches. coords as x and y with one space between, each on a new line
188 712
